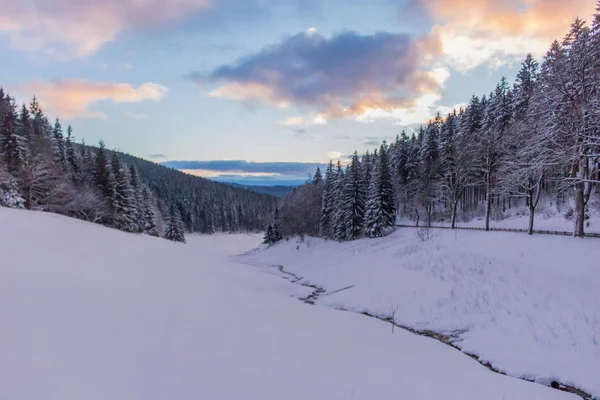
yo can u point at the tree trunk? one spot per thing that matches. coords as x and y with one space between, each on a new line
453 223
579 209
428 210
488 202
531 212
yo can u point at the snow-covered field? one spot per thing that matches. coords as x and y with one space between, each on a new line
549 221
89 312
528 305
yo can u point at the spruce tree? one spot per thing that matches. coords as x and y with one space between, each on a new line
12 144
58 142
269 237
339 227
354 200
124 212
174 228
327 203
70 151
318 178
380 210
148 216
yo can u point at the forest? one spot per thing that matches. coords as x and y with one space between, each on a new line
43 168
516 146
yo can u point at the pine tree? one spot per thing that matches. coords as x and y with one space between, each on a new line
148 217
380 210
354 200
339 227
102 175
174 228
327 203
12 144
124 213
58 142
269 237
70 151
318 178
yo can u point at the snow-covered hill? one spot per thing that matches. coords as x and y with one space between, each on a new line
89 312
528 305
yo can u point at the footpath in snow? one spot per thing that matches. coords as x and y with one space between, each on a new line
529 306
93 313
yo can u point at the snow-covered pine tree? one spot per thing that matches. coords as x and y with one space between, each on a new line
124 212
148 215
174 226
339 227
12 144
318 177
70 152
58 143
328 202
354 200
269 237
380 210
138 201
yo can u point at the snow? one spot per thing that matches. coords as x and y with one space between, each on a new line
529 305
93 313
548 221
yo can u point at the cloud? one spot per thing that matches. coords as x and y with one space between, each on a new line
318 119
310 30
78 28
73 97
376 140
498 32
157 156
347 75
137 115
335 155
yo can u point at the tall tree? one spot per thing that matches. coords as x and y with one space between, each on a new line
380 209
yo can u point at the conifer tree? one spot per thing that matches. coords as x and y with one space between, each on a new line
354 200
339 227
58 142
174 227
12 144
269 237
318 178
124 212
328 202
70 151
380 210
148 217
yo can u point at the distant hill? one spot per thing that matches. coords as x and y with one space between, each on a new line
276 190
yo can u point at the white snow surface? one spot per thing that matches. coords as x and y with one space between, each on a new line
93 313
547 220
529 305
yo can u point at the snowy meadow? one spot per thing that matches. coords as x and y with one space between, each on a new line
527 305
95 313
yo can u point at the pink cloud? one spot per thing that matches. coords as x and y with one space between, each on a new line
78 28
498 32
73 97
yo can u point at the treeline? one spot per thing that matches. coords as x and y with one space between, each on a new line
42 168
514 146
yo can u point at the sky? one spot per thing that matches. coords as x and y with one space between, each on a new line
250 87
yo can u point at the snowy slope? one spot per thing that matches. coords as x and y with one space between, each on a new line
92 313
528 305
549 221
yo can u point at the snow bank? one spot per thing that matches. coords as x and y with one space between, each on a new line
93 313
528 305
